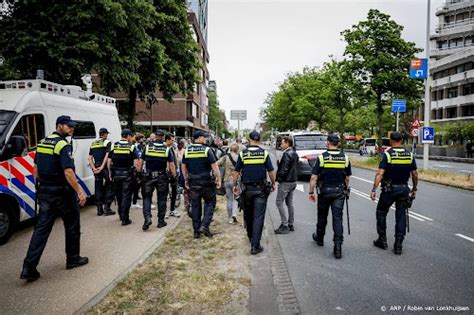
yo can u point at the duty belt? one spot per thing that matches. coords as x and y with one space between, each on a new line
156 173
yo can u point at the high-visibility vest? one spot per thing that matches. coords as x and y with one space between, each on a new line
48 159
334 159
399 156
195 151
253 156
159 150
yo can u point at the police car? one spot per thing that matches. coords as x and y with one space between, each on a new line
308 146
28 112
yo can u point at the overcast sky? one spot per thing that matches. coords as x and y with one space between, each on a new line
254 43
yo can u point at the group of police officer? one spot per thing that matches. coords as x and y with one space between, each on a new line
114 165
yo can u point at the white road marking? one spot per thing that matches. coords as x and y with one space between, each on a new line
300 187
465 171
366 196
421 216
465 237
362 179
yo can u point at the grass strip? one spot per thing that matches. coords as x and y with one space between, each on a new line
188 276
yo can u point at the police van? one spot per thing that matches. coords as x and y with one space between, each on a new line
308 146
28 112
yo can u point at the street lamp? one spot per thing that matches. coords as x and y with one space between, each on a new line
426 146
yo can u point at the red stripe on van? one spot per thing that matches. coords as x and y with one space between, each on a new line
25 164
16 173
3 181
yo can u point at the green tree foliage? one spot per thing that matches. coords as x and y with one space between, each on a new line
135 46
380 58
217 116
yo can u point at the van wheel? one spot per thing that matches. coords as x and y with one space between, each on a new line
7 224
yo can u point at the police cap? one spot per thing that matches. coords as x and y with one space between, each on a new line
66 120
126 133
395 136
333 138
254 135
200 133
160 133
103 130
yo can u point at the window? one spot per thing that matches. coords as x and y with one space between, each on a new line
451 112
194 110
468 89
467 110
32 128
453 92
6 117
310 142
84 130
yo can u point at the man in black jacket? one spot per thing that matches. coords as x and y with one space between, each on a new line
287 175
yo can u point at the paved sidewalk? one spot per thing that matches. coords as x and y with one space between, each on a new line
111 248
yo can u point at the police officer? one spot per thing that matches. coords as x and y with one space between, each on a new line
395 168
198 161
253 165
121 163
98 155
158 158
331 175
173 179
59 195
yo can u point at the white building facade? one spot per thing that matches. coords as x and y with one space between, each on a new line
452 63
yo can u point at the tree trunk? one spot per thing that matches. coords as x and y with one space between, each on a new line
130 110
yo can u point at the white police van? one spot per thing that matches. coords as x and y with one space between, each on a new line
28 112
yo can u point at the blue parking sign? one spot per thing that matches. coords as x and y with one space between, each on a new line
427 135
399 106
418 68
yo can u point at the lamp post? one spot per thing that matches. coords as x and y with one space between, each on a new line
426 146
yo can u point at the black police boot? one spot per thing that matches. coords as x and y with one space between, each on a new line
76 262
397 247
205 231
337 250
29 274
146 224
161 224
256 250
318 239
126 222
291 227
282 229
100 210
108 211
197 234
381 242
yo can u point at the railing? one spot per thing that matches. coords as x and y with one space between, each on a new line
454 24
448 3
442 49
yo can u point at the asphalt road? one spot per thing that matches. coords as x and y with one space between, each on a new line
435 269
455 167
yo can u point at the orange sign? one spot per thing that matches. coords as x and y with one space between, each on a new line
416 63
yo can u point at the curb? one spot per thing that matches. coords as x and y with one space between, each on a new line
286 295
102 293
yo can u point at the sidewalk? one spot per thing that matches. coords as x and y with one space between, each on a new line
113 251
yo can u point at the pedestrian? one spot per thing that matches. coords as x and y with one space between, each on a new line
157 157
173 179
253 165
98 155
228 162
241 145
331 175
469 149
225 146
58 195
198 162
394 171
123 162
138 140
287 175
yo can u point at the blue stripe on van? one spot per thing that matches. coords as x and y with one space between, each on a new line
30 211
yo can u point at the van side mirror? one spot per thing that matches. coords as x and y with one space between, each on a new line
16 146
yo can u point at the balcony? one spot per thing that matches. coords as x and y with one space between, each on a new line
444 51
452 5
458 27
452 79
455 101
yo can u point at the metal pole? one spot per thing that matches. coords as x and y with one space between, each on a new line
398 120
426 146
238 127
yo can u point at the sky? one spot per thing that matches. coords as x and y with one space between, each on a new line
253 44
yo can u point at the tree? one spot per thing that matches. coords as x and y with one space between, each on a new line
380 58
217 116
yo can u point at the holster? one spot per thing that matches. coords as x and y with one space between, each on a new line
387 185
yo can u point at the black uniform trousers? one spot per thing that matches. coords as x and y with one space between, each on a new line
255 205
122 188
202 190
331 198
399 195
160 183
55 203
104 194
174 192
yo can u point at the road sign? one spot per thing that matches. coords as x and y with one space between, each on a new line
399 106
418 68
414 132
427 135
238 115
416 123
